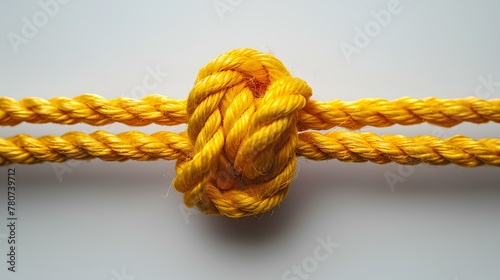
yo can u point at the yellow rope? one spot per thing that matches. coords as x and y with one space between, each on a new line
367 146
97 110
94 110
134 145
244 113
340 145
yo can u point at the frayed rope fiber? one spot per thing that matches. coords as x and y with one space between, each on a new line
244 114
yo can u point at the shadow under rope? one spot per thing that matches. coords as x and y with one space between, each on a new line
315 181
318 182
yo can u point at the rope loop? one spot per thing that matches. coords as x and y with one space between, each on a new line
242 123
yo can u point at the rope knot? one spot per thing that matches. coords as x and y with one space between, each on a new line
242 123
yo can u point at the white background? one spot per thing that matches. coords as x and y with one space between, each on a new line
105 220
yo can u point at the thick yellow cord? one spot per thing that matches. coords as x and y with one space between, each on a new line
94 110
340 145
367 146
244 115
133 145
97 110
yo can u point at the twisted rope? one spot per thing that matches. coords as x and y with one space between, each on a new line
341 145
131 145
96 110
244 113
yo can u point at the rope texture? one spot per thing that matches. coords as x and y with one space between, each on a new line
96 110
244 113
133 145
341 145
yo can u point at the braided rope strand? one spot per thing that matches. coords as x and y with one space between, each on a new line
341 145
96 110
99 144
378 112
367 146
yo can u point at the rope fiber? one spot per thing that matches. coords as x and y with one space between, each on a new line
247 121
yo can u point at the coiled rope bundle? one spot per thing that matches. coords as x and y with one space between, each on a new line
248 119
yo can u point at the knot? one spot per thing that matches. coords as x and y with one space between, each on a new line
242 123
